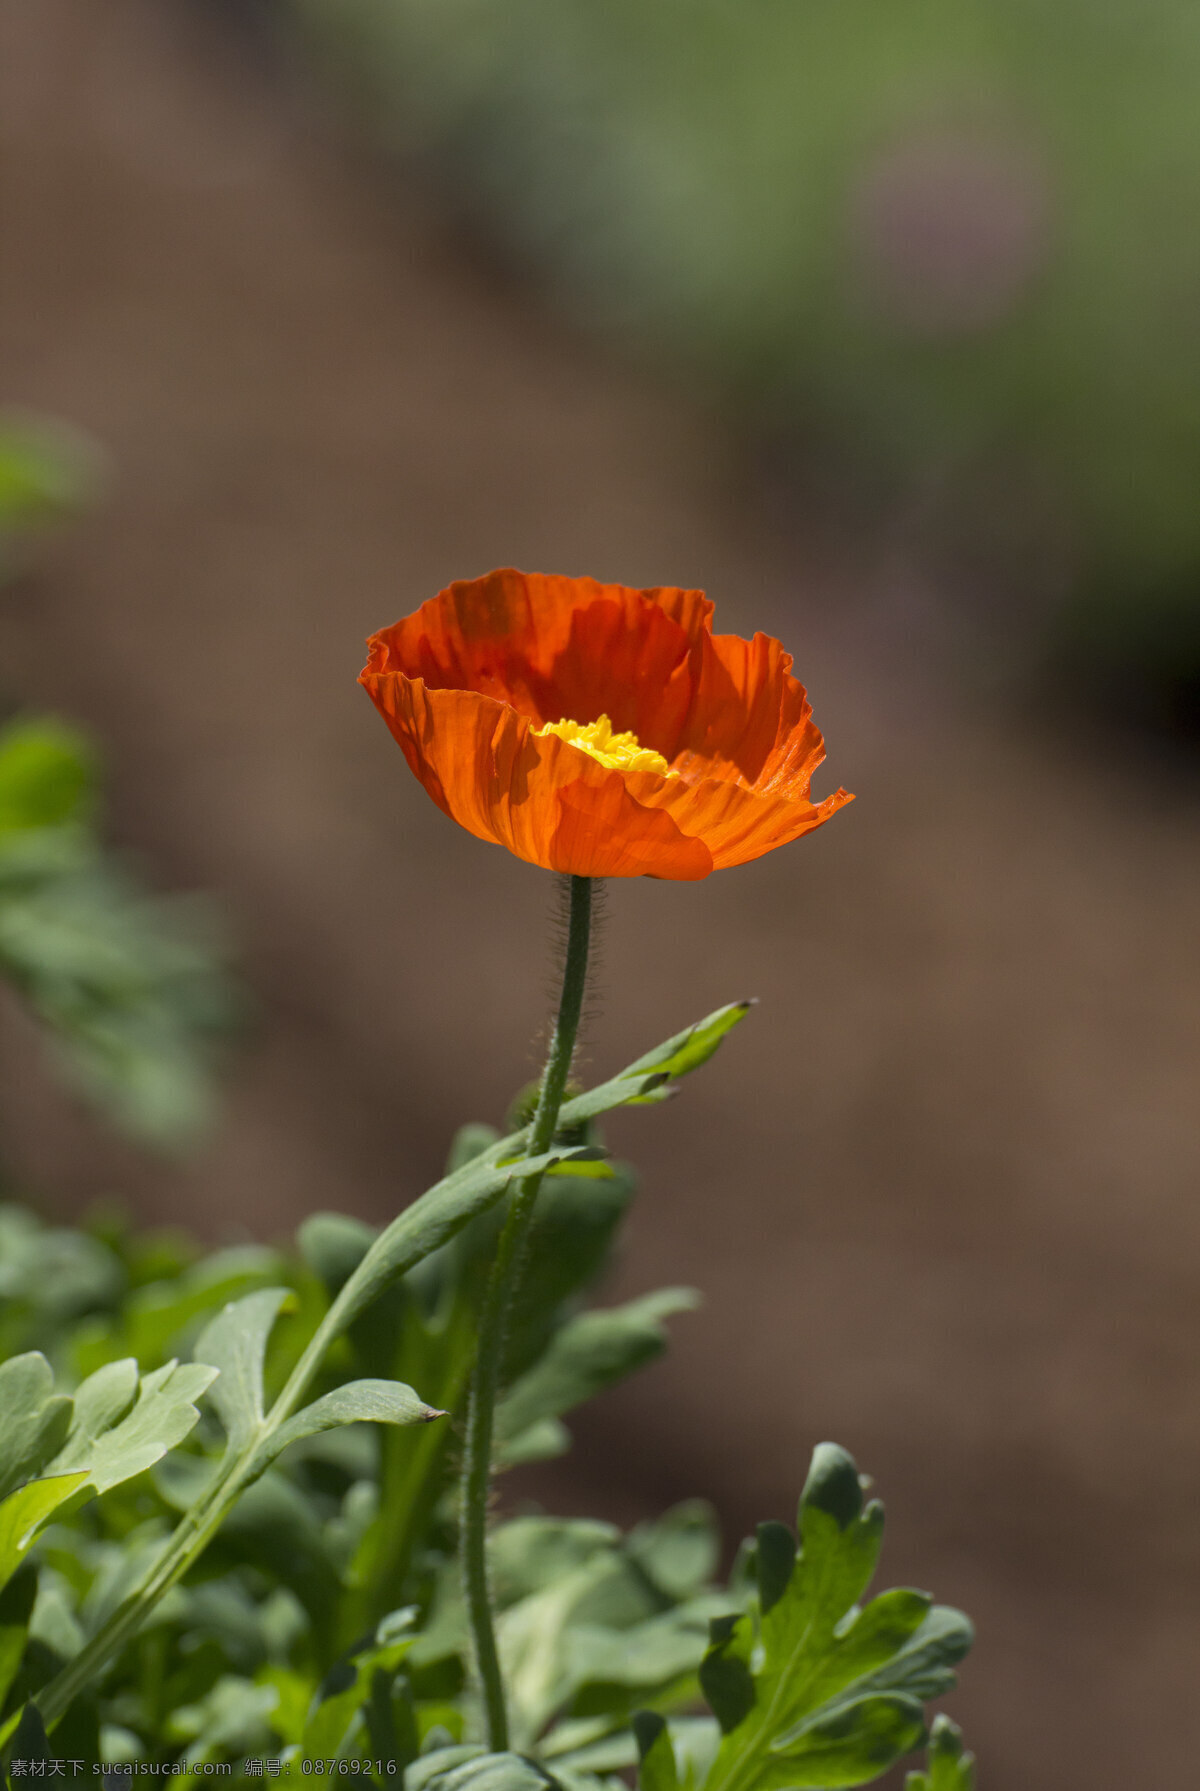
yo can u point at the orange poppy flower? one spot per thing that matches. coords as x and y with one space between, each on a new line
599 730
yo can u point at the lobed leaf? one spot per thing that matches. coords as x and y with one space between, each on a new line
820 1692
33 1418
163 1413
949 1767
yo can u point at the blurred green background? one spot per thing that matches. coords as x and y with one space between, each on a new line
944 251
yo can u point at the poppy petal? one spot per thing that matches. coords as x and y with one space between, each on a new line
749 718
736 824
560 648
466 682
543 799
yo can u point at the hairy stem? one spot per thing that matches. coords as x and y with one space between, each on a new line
485 1381
420 1229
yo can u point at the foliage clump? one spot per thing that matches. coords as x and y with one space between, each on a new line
323 1619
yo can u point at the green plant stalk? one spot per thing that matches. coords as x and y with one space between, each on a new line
646 1079
198 1526
409 1486
485 1381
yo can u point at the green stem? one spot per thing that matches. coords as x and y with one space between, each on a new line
421 1228
485 1381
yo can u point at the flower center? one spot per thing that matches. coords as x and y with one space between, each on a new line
617 752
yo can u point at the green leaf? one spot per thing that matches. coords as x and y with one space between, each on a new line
333 1245
686 1052
47 774
820 1692
129 985
277 1529
590 1352
657 1770
472 1769
949 1768
544 1441
363 1685
33 1418
157 1316
29 1740
49 1277
162 1415
585 1628
432 1221
101 1401
235 1344
358 1402
569 1246
16 1608
443 1210
678 1551
235 1715
470 1141
24 1512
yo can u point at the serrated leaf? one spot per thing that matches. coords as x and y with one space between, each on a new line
820 1692
686 1052
589 1353
235 1344
24 1512
358 1402
949 1767
33 1418
162 1415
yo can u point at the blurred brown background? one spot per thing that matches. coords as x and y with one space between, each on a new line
940 1191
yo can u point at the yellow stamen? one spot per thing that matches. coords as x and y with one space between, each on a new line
617 752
